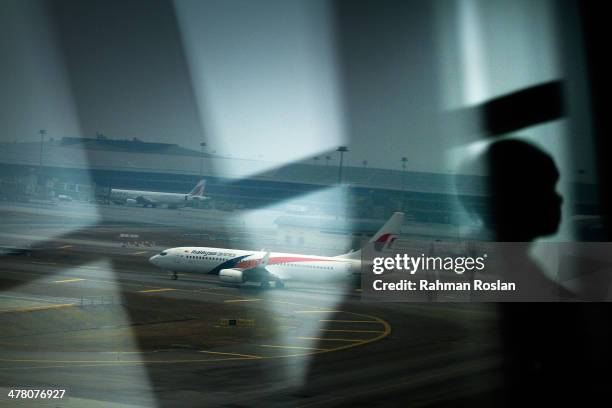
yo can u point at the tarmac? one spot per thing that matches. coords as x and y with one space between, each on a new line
88 313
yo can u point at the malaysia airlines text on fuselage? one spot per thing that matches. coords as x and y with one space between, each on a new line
286 266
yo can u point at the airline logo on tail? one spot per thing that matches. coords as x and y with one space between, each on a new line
198 190
384 238
389 232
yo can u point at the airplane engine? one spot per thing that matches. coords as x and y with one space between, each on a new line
131 201
231 276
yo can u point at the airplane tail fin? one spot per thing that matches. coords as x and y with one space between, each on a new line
198 190
383 238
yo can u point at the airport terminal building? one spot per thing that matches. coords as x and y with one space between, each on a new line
87 168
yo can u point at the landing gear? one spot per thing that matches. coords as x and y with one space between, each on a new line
264 282
172 275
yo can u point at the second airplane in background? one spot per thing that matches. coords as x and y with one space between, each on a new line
154 199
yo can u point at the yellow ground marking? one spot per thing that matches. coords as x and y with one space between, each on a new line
349 321
156 290
352 331
111 282
317 311
65 246
241 300
230 354
292 347
34 308
326 339
282 302
102 363
92 363
212 293
358 290
139 253
69 280
306 352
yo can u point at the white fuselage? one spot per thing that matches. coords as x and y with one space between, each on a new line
148 197
286 266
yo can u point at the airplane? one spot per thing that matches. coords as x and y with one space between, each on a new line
154 198
64 197
239 266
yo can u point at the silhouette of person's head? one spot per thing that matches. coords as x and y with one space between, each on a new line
523 202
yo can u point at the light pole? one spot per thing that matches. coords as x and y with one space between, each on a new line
202 146
42 133
342 150
404 160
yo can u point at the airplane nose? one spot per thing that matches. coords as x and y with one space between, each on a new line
153 259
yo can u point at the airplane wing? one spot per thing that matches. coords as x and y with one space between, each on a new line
260 269
265 259
278 274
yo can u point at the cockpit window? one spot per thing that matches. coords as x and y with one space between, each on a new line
163 253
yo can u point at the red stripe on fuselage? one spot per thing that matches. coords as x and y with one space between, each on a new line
279 260
298 259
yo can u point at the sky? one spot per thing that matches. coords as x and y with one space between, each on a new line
274 80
